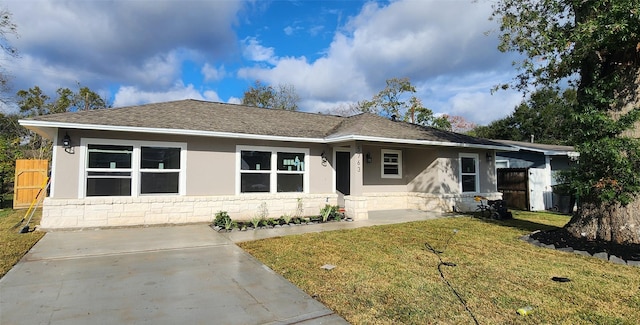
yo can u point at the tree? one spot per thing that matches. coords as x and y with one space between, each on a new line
10 138
545 116
393 101
34 102
7 27
264 96
459 124
594 47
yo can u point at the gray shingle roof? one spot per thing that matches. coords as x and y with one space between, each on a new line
229 118
547 148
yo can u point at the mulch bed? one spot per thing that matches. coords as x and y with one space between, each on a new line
560 238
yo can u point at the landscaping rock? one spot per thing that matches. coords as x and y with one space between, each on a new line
617 260
566 249
602 256
633 263
549 246
584 253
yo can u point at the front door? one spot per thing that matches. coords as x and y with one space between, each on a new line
343 172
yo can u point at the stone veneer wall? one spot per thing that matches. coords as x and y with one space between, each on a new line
358 207
156 210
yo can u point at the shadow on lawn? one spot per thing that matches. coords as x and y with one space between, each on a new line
520 224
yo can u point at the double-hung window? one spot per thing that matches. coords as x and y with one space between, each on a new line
132 168
391 166
272 170
469 173
109 170
159 170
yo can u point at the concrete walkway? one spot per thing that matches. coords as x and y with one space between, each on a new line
163 275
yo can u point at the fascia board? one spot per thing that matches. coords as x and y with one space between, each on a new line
99 127
35 125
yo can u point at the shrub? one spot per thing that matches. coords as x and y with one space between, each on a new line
221 219
328 211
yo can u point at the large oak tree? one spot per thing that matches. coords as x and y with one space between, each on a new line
593 46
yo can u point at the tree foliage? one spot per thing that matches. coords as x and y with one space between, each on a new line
397 99
7 28
265 96
545 116
593 46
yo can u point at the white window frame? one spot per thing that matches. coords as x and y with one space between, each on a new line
273 172
476 158
382 163
502 161
135 169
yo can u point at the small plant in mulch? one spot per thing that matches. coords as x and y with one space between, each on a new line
221 218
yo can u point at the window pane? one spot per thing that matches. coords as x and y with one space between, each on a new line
290 161
290 183
160 158
159 183
107 156
468 165
108 186
255 160
391 158
391 170
255 183
468 183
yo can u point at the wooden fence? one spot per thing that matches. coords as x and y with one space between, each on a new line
30 178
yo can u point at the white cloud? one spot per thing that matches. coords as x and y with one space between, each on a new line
252 50
212 73
422 40
131 95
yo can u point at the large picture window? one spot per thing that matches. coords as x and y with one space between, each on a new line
271 170
469 173
142 168
391 166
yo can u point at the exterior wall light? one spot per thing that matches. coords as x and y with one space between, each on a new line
66 141
368 157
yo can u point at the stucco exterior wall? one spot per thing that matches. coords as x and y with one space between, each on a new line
210 162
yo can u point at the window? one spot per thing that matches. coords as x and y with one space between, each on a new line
469 172
290 171
114 168
109 170
159 170
391 166
256 171
270 170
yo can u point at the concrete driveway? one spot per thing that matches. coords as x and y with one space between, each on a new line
156 275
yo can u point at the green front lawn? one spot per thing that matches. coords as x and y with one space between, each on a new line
13 245
386 275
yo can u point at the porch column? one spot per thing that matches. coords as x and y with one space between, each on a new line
356 204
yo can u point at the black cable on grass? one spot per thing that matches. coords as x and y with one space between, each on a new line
437 253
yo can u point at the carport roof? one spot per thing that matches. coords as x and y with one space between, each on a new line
202 118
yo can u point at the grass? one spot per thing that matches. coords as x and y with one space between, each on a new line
385 275
13 245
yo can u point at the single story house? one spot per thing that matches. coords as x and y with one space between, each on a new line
541 162
183 161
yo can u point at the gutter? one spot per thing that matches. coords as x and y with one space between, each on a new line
45 129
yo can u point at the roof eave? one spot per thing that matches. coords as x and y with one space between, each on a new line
49 128
418 142
32 124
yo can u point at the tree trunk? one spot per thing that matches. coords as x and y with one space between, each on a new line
609 222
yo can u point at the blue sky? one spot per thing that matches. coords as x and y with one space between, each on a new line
334 53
